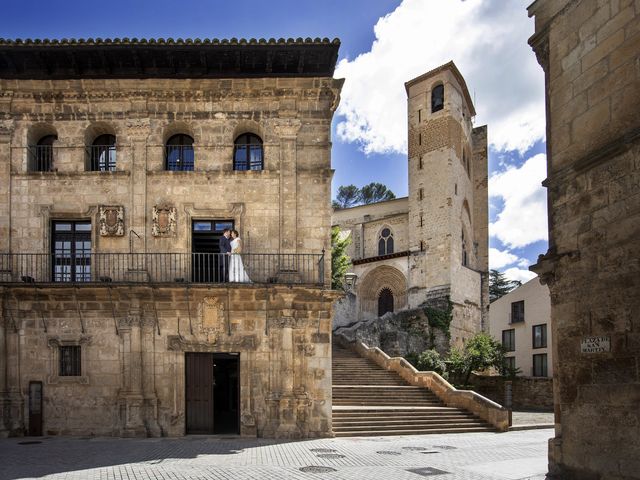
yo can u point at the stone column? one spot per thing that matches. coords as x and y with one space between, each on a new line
148 378
287 130
5 187
131 400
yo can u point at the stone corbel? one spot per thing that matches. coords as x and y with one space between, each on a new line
6 130
540 45
548 263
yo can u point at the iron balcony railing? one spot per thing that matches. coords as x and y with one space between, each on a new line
101 158
165 268
41 158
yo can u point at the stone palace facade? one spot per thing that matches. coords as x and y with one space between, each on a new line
121 163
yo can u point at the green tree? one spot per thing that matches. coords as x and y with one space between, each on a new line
499 285
375 192
430 360
339 260
480 352
348 196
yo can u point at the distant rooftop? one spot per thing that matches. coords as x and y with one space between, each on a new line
167 58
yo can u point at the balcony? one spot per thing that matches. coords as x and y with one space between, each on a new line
161 268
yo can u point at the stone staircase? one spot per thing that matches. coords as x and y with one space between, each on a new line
368 400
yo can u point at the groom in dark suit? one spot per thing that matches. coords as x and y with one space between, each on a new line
225 250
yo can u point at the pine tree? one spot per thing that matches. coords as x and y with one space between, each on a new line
499 285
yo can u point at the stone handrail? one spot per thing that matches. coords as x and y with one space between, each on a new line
486 409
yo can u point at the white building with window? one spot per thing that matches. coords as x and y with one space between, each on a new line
521 321
431 247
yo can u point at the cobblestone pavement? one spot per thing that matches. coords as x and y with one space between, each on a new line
472 456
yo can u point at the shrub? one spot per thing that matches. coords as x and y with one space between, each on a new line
430 360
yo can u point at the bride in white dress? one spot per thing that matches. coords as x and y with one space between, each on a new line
237 272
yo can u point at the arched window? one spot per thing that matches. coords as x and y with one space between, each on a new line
437 98
464 250
102 154
385 301
385 242
179 153
248 153
41 154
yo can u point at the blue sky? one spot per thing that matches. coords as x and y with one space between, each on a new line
384 43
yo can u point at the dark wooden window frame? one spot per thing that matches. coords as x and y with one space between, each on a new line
101 154
542 369
543 335
517 313
244 148
179 155
509 344
70 361
437 98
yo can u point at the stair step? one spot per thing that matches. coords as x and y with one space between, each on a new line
420 431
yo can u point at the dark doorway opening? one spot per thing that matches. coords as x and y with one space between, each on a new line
207 266
212 393
35 409
385 301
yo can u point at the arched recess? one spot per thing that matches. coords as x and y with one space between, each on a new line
467 254
370 287
41 152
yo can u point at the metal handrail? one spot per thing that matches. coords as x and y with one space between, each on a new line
163 268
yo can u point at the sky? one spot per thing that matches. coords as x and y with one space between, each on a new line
383 44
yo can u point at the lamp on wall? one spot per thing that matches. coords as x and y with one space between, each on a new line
350 281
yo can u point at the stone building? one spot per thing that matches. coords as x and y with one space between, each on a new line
520 320
121 162
590 53
432 246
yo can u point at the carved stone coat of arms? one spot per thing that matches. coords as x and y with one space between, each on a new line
164 221
111 220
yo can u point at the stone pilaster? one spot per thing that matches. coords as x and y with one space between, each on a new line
4 403
130 398
287 407
287 130
138 131
148 378
13 398
5 187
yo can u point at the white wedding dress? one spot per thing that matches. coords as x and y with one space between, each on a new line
237 272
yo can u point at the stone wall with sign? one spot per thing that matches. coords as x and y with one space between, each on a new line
589 53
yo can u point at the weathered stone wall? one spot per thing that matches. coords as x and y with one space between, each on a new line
133 344
531 393
589 51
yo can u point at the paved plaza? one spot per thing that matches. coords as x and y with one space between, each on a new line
471 456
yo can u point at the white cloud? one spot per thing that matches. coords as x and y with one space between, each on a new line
519 274
487 39
523 219
501 258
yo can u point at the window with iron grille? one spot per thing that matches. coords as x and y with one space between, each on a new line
102 154
70 361
179 154
540 365
517 312
248 153
41 154
509 340
539 339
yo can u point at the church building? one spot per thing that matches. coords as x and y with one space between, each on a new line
431 247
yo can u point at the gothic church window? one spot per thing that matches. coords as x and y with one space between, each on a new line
102 154
385 242
179 153
385 301
248 153
437 98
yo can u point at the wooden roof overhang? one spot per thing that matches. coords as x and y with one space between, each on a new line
159 58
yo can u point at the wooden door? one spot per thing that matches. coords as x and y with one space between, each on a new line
199 383
35 409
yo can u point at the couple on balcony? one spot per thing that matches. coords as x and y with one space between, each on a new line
230 245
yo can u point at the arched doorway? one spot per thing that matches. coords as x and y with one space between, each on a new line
385 301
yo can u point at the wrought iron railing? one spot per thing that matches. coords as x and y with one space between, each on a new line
101 158
41 158
166 268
